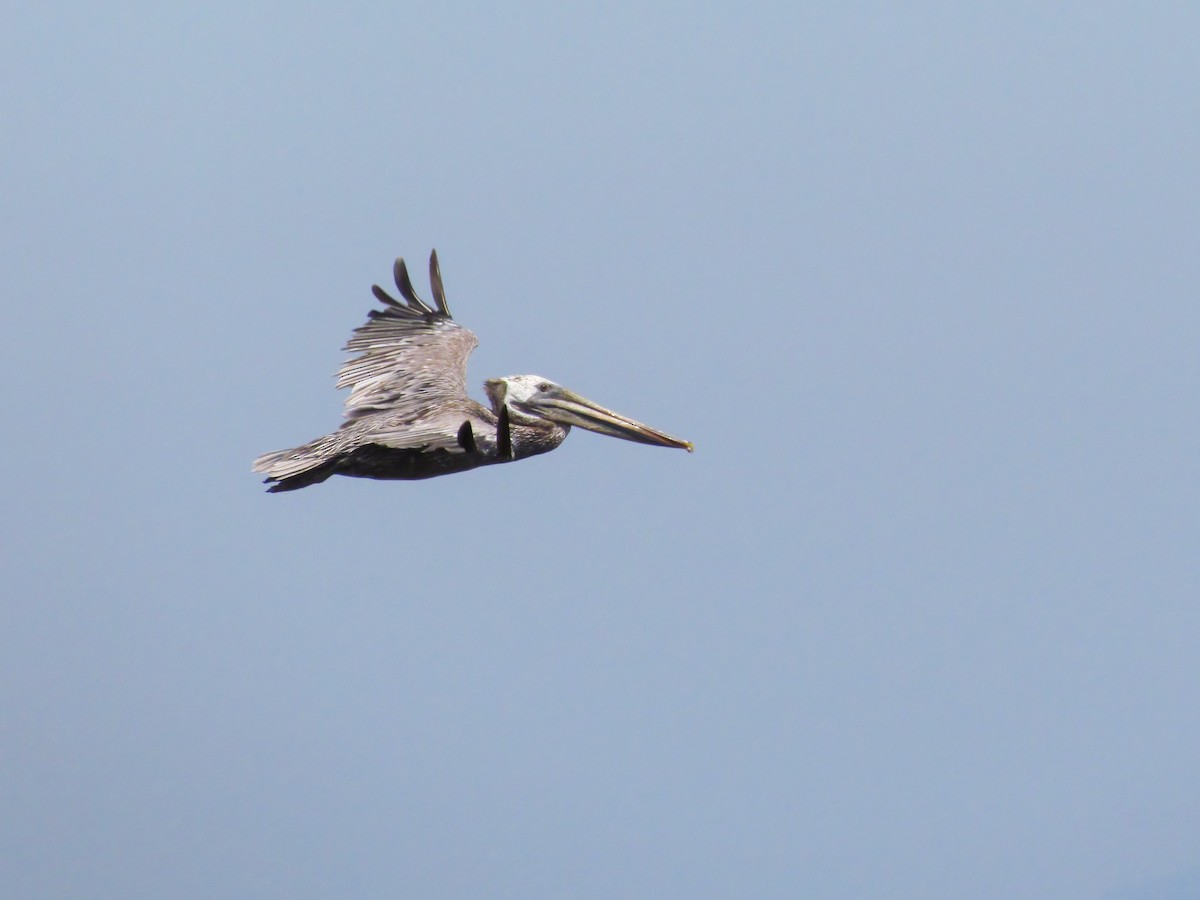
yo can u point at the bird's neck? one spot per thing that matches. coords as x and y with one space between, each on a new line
532 439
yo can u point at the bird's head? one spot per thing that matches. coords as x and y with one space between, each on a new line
532 399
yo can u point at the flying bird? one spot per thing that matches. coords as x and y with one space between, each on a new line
408 415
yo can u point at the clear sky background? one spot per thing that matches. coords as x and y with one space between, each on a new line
918 619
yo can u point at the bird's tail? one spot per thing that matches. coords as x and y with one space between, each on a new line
309 464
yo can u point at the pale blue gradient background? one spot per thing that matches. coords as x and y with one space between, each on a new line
920 617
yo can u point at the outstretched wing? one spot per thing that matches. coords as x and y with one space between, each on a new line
413 356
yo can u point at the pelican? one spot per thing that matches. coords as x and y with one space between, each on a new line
408 415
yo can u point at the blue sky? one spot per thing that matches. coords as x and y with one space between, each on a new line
917 619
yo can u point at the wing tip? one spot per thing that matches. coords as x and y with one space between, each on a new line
405 285
435 282
384 297
412 300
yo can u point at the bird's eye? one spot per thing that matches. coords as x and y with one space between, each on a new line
545 386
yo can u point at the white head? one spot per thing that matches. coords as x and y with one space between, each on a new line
517 390
520 393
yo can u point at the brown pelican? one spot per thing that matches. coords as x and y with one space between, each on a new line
408 415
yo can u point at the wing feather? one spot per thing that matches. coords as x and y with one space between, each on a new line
410 356
435 282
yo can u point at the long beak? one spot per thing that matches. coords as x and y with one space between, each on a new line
568 408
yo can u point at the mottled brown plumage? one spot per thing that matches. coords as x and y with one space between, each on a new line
408 415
